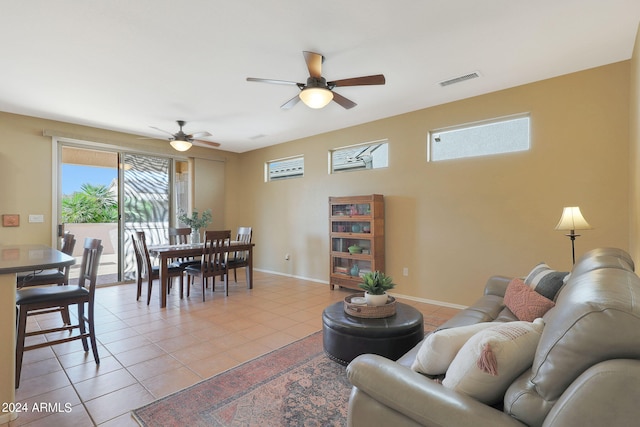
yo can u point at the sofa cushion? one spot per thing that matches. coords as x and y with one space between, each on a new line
545 281
524 302
440 348
492 359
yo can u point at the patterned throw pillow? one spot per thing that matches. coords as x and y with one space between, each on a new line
492 359
524 302
545 281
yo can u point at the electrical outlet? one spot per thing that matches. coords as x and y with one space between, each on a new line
405 271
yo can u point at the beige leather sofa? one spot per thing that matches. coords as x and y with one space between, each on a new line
586 369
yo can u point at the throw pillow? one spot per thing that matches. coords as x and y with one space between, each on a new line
439 348
492 359
524 302
545 281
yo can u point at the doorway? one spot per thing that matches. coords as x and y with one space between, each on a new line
88 205
109 194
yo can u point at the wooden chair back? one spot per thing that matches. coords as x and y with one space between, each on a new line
142 255
54 276
179 236
244 235
214 254
89 267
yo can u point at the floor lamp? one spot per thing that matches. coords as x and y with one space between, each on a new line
572 220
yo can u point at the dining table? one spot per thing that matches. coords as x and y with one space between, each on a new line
15 259
165 253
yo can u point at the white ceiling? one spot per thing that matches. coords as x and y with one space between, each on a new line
126 65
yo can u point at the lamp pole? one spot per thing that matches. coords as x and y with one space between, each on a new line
572 235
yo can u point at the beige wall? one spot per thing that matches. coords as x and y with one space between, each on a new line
26 170
451 223
634 138
455 223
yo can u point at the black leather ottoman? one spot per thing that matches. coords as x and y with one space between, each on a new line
344 337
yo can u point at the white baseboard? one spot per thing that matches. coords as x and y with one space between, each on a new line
7 417
395 295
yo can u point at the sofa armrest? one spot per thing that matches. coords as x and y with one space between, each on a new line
403 392
497 285
605 394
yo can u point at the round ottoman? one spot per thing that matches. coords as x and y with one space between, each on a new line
344 337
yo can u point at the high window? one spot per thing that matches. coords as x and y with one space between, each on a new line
504 135
372 155
290 167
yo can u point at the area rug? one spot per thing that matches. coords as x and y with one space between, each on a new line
297 385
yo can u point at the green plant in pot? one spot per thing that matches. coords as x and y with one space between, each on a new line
376 284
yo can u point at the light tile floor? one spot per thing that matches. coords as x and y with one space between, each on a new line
147 352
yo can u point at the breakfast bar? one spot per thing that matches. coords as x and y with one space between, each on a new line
15 259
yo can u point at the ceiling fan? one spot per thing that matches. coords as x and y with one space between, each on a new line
182 141
318 92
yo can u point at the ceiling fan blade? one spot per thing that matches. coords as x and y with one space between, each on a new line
314 63
346 103
278 82
161 130
199 134
202 143
290 103
377 79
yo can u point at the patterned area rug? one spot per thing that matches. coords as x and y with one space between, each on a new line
297 385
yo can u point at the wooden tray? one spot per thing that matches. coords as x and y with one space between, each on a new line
369 311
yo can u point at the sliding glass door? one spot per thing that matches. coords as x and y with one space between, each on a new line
110 194
88 205
146 202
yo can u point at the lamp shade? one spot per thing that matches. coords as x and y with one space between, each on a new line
181 145
316 97
572 219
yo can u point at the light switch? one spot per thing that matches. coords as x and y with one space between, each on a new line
36 218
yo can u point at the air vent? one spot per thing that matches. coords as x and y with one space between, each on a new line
459 79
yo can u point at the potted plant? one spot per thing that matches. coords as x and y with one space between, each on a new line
376 284
195 222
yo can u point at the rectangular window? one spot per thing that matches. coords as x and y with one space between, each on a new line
505 135
291 167
372 155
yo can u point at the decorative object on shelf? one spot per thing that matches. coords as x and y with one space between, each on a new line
355 228
572 220
196 222
376 284
355 270
366 229
354 306
355 249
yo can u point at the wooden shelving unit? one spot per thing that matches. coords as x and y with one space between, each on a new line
355 220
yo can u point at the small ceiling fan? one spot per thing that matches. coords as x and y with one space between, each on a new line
182 141
318 92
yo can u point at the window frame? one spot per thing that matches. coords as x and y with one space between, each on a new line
365 147
434 136
268 163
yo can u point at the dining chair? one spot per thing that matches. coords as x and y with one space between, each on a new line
146 270
240 259
213 262
180 236
54 276
33 301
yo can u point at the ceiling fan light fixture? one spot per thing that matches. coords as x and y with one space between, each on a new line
181 145
316 97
